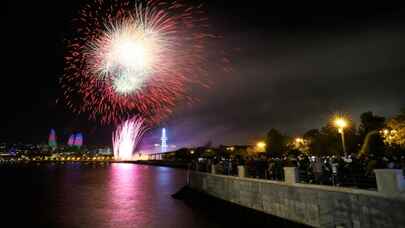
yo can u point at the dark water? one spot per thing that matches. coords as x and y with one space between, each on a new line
109 195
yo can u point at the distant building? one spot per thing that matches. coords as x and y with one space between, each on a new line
52 139
104 151
78 141
71 140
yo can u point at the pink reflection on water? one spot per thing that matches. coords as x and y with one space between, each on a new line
128 199
119 195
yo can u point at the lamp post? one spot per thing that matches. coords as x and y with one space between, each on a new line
299 141
341 124
261 146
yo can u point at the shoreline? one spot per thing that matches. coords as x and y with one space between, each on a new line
163 163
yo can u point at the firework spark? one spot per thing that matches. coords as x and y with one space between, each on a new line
127 137
132 57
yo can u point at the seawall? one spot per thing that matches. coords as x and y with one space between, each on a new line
314 205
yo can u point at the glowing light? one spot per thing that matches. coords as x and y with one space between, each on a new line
71 140
341 124
127 54
164 141
127 137
299 140
141 157
261 146
78 140
52 139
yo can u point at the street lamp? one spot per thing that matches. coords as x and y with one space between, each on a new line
299 140
341 124
261 146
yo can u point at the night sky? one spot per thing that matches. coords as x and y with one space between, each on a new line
293 67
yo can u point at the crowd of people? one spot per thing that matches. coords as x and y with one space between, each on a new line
349 171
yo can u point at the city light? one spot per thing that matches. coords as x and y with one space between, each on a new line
299 140
341 124
261 146
389 135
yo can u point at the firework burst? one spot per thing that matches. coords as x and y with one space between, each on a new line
127 137
133 57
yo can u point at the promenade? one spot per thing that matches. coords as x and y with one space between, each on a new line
309 204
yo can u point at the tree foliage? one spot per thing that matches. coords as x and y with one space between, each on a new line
370 122
276 143
396 127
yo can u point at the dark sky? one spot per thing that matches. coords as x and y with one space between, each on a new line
293 67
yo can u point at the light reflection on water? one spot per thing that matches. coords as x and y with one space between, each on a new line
110 195
128 195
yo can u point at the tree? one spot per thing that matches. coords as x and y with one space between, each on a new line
368 134
396 127
182 154
373 145
370 122
314 138
276 143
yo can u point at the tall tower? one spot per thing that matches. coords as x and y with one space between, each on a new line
78 142
71 140
163 144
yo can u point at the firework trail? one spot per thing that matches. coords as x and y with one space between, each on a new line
134 57
127 137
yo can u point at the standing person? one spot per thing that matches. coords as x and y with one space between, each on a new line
304 166
208 165
356 169
258 166
270 169
390 163
262 164
250 167
334 166
230 166
371 165
225 166
278 169
326 170
317 170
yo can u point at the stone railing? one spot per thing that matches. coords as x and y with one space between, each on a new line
314 205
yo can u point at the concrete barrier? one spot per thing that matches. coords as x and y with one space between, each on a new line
314 205
213 170
241 171
291 175
390 181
